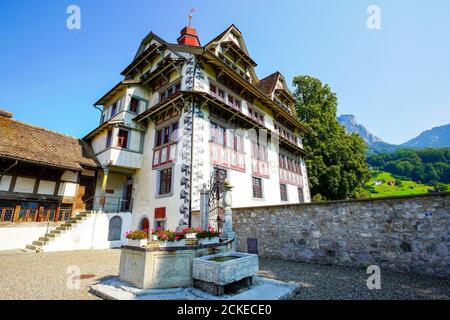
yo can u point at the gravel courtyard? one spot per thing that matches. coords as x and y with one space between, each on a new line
45 276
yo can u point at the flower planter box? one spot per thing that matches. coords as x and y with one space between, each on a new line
168 244
137 243
206 241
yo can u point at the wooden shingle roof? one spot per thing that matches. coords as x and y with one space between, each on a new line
267 85
25 142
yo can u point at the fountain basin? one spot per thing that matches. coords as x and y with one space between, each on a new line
225 268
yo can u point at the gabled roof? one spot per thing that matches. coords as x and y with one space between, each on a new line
231 28
242 46
268 84
147 52
22 141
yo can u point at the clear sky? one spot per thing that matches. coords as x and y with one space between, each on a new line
396 80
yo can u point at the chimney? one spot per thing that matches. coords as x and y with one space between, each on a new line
189 37
6 114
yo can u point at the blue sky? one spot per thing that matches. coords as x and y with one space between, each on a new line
395 80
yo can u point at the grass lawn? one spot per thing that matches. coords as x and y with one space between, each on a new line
407 187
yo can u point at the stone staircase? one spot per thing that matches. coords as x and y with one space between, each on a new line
54 234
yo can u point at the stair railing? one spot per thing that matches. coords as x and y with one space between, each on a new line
106 203
49 229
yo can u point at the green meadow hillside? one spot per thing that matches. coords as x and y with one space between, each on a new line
384 184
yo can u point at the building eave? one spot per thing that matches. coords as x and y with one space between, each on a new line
115 90
266 100
101 127
42 163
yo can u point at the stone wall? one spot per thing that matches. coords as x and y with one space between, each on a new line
410 234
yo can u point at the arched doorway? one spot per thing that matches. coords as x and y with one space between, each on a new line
115 229
144 225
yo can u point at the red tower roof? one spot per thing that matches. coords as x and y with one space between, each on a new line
189 37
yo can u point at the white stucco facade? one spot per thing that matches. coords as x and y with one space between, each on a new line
91 233
167 81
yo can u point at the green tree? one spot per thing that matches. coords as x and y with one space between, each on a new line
337 169
420 165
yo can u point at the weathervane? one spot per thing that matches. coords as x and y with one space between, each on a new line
190 16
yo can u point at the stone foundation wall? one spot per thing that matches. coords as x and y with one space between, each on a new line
410 234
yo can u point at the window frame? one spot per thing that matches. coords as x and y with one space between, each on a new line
128 138
256 115
109 138
137 106
169 90
113 110
159 142
170 180
229 146
261 187
301 199
286 199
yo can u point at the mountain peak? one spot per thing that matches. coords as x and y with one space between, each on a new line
352 126
437 137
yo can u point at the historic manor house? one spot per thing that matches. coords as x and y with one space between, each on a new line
183 115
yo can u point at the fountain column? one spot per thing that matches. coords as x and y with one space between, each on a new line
204 208
228 232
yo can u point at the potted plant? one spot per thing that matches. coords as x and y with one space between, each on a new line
136 238
169 238
191 233
154 234
210 236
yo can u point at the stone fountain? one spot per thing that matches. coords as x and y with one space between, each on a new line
192 272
